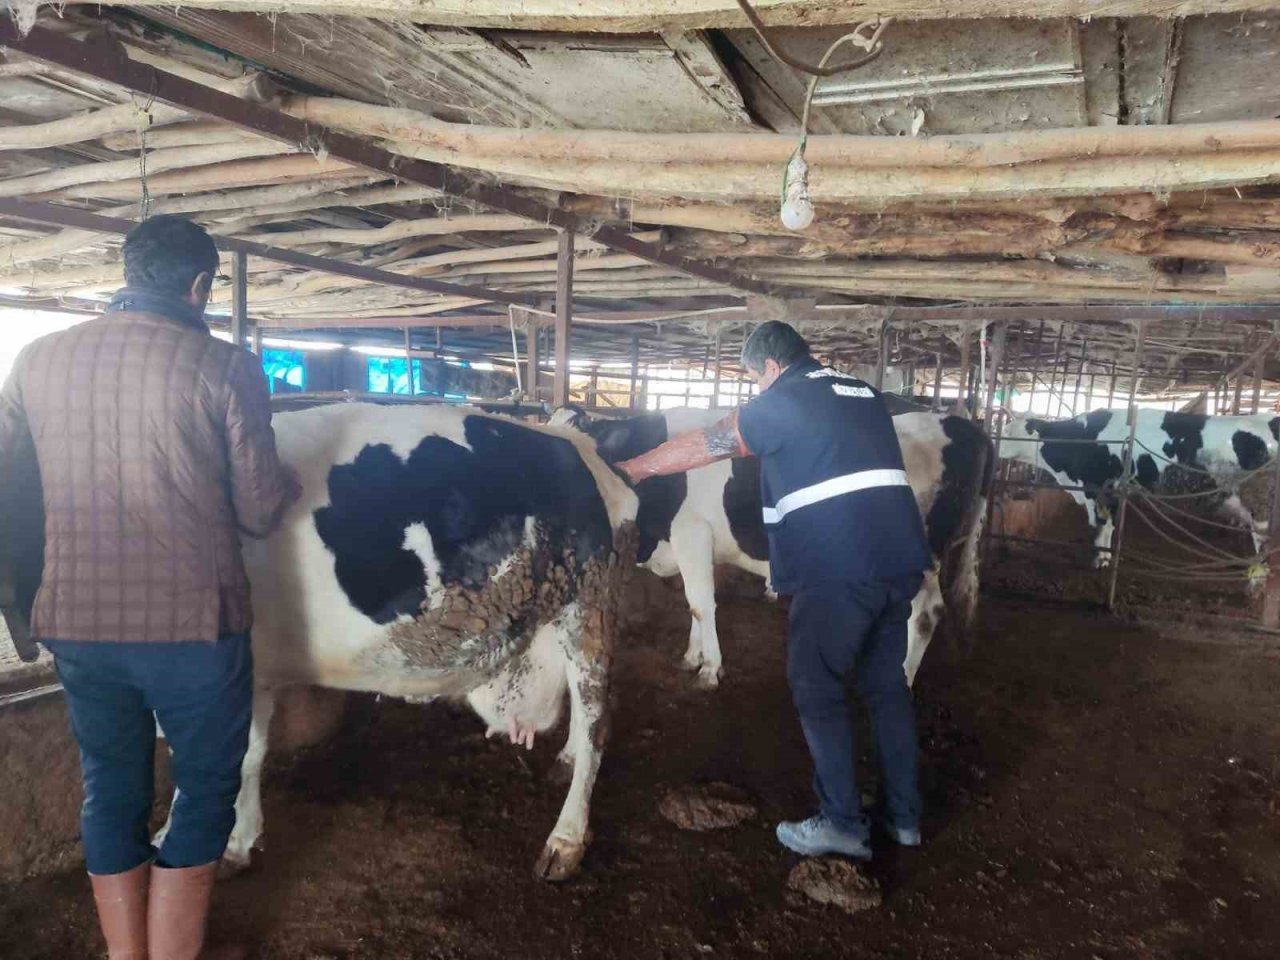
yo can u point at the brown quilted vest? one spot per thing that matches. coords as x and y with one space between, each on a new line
155 450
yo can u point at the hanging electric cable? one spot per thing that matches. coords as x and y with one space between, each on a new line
821 70
796 206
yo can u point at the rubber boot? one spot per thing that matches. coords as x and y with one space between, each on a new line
179 909
121 899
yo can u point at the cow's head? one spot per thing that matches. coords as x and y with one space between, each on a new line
1019 431
616 440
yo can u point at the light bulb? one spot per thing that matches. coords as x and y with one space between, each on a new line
797 213
797 208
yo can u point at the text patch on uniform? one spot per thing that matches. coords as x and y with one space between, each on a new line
845 390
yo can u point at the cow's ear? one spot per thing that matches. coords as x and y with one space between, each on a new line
1034 425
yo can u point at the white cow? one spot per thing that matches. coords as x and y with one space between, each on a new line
1087 451
690 522
441 552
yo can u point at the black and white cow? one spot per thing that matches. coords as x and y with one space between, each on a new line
690 522
1087 451
441 552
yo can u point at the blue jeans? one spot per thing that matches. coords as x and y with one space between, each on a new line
855 631
202 695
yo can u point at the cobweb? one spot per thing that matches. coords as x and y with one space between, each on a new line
22 12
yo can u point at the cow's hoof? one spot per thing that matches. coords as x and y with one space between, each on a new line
708 678
560 860
232 865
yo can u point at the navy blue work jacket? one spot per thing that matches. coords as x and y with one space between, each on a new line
837 504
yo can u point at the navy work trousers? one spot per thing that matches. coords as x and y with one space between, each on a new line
202 696
841 632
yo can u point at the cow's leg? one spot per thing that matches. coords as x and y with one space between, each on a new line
694 547
248 826
1103 527
1234 508
587 668
926 611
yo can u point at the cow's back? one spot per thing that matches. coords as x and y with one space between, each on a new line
402 507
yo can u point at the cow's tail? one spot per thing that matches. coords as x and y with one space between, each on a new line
961 567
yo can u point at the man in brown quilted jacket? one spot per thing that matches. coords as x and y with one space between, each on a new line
156 453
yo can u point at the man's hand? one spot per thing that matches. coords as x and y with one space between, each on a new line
698 448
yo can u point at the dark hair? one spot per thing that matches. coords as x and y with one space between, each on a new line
166 254
774 340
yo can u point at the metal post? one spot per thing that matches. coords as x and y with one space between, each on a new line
715 383
1111 391
564 308
1257 382
1271 600
963 395
1235 399
239 297
1035 368
635 368
408 358
993 372
256 339
882 355
1053 376
531 349
1117 537
937 383
1075 394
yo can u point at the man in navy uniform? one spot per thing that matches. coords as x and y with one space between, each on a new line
847 542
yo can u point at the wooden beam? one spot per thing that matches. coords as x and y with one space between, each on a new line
38 212
564 317
106 63
652 16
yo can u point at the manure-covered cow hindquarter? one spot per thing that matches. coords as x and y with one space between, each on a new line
444 553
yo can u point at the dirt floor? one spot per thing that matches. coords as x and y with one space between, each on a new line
1094 790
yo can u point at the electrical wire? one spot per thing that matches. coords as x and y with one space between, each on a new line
871 45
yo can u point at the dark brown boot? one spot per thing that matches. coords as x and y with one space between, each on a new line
177 915
121 899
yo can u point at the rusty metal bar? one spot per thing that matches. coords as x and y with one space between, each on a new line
882 353
1117 538
1271 600
564 317
1075 394
635 368
1053 375
239 298
108 62
1258 369
963 397
994 363
1035 367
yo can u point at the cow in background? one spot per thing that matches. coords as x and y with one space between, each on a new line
440 552
1085 451
690 522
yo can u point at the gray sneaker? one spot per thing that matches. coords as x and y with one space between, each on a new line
818 836
903 836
